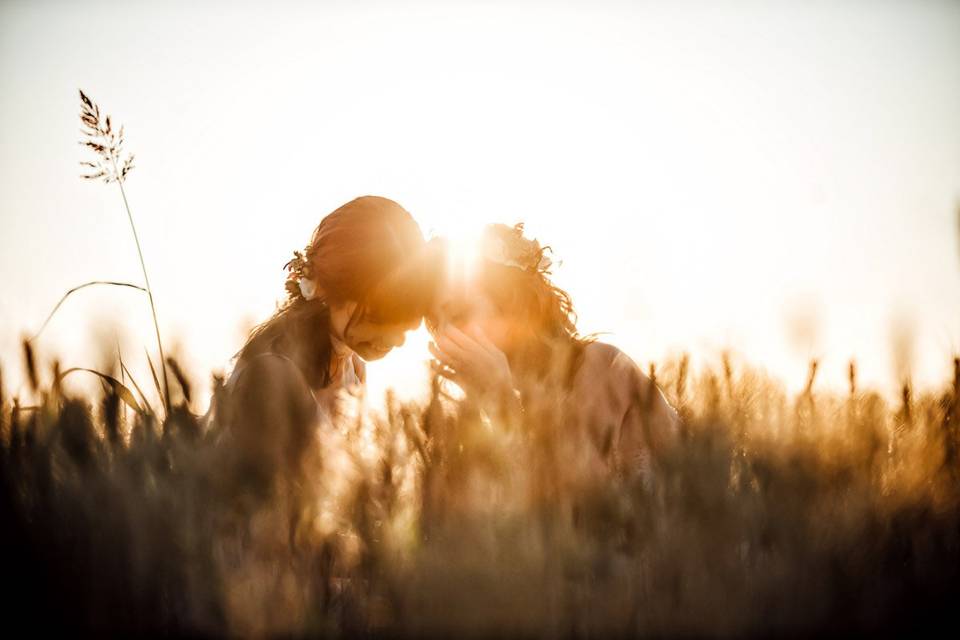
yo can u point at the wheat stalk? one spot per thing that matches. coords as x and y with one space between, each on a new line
74 290
118 387
112 165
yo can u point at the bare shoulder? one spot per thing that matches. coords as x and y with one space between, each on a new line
603 359
607 379
618 389
608 372
600 352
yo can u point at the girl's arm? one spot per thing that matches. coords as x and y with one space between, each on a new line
626 415
650 426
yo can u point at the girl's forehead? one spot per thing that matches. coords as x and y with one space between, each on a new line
455 304
370 317
463 304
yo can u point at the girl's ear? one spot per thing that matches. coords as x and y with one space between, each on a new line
342 318
355 312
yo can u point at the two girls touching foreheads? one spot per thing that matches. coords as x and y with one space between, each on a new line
501 331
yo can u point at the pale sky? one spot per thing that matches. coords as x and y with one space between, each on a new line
711 174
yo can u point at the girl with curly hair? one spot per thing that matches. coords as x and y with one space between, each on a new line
508 337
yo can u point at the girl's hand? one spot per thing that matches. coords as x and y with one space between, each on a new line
469 359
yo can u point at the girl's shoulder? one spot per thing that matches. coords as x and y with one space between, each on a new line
609 381
261 363
621 406
269 371
263 390
603 360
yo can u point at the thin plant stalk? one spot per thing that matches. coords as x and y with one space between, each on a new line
146 280
74 290
109 149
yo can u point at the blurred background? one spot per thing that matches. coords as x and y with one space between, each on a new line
778 179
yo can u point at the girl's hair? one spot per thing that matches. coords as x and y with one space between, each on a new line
371 251
543 312
517 282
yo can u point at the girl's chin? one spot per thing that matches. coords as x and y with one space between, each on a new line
369 352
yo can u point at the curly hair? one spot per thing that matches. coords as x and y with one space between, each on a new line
514 274
553 345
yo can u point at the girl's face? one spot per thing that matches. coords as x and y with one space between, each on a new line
463 307
368 336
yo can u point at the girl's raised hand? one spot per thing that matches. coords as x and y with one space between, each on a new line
471 360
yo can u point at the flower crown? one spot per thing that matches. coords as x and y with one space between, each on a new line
298 281
507 246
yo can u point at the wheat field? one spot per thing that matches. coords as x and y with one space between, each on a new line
776 514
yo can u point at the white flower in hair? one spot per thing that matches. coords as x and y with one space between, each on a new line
308 288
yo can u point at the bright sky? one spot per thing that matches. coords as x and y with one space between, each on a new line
780 178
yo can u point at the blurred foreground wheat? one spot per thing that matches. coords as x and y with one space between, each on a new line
775 515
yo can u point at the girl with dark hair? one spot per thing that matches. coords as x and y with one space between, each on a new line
507 336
